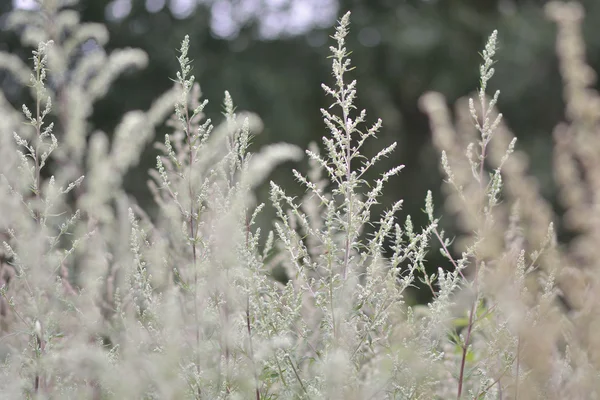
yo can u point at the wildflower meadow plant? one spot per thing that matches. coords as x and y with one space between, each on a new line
102 299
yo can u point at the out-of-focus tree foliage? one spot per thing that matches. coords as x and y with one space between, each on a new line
401 48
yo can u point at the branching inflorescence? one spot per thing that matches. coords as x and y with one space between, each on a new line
180 299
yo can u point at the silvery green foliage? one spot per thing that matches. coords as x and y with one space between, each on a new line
180 302
497 296
345 297
173 309
81 320
463 334
36 239
211 252
80 72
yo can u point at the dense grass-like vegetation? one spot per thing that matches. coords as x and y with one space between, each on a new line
102 300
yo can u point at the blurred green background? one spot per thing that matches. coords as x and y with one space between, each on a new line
272 57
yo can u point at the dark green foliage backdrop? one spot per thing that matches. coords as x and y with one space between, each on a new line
412 46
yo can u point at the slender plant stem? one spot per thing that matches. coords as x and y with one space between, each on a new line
193 234
468 337
248 326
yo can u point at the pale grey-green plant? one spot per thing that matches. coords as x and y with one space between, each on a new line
181 301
